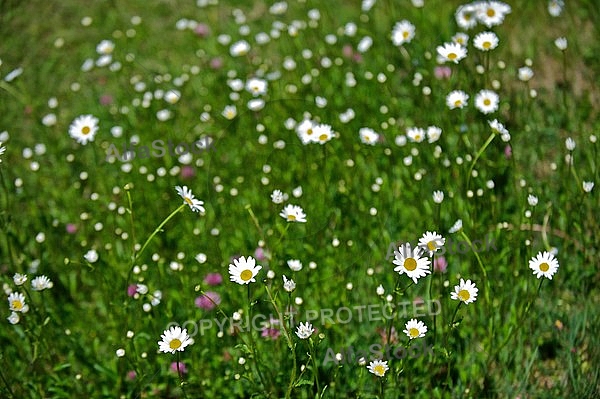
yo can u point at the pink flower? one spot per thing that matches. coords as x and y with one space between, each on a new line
507 151
131 289
347 51
71 228
202 30
187 172
261 254
131 375
440 264
272 333
208 300
213 279
106 99
216 63
442 72
182 368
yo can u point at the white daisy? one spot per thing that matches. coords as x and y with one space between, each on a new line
453 52
16 302
323 133
244 270
19 278
174 339
277 197
13 318
306 131
431 242
457 99
532 200
410 262
498 127
378 367
229 112
188 198
256 86
465 291
433 134
368 136
84 128
288 285
466 16
415 329
41 283
415 134
544 264
456 227
438 196
555 7
403 32
91 256
240 48
485 41
295 265
105 47
461 38
588 186
304 330
492 13
525 74
487 101
293 213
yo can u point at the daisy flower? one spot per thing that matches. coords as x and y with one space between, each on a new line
19 278
256 86
403 32
487 101
438 196
415 329
277 197
16 302
431 242
588 186
295 265
84 128
244 270
485 41
288 285
13 318
410 262
306 131
452 52
525 74
415 134
304 330
368 136
492 13
323 133
457 99
497 127
240 48
461 38
2 150
456 227
532 200
555 7
229 112
466 16
41 283
174 339
378 367
544 264
293 213
465 291
433 134
188 198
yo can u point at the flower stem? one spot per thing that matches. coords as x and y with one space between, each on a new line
477 156
179 371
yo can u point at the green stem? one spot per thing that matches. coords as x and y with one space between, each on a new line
480 263
179 371
313 355
156 231
477 156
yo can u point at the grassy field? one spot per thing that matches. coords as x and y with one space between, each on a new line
366 116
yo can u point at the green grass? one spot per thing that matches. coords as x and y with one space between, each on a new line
515 340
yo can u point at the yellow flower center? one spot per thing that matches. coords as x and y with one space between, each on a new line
487 101
246 275
379 370
490 12
464 295
544 267
417 137
414 333
410 264
452 56
323 137
17 305
457 103
188 200
487 44
431 245
405 34
309 132
175 344
291 217
86 130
